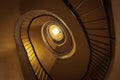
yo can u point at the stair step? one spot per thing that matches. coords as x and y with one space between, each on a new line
33 61
28 50
30 53
26 43
31 57
28 46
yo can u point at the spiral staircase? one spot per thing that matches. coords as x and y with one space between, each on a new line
60 40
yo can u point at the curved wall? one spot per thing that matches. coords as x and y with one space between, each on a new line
115 71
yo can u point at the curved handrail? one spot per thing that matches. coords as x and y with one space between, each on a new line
25 38
96 51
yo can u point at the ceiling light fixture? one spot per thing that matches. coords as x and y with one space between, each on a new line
56 32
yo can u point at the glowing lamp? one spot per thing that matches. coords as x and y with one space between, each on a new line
55 32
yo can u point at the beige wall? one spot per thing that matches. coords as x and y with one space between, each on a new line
9 62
